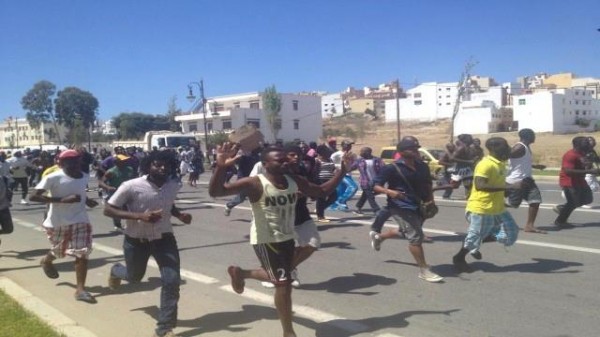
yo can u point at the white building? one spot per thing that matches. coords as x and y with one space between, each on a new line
332 105
558 111
107 128
300 116
425 102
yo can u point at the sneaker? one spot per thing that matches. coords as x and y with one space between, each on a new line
476 255
343 208
358 211
24 202
587 206
429 276
227 211
267 284
556 209
295 279
460 264
113 281
375 240
323 220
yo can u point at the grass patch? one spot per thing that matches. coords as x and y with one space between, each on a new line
18 322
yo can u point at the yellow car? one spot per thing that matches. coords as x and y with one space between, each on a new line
430 156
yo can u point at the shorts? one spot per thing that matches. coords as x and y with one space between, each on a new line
410 222
307 234
528 192
72 240
276 259
462 174
502 226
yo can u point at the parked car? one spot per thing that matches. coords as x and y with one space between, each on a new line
430 156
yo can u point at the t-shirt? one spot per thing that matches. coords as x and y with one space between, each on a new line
18 165
60 185
140 195
273 215
572 160
488 203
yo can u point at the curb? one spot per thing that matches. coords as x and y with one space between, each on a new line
48 314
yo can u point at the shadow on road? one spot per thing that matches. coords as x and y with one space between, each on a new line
349 284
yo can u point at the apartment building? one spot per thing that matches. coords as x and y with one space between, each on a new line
16 133
425 102
558 110
301 116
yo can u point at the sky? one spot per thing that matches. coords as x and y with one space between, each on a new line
135 56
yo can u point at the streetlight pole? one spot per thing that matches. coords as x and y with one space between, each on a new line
397 92
202 104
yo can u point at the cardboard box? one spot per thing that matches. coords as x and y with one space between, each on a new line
248 136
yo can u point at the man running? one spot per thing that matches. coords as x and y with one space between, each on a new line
273 197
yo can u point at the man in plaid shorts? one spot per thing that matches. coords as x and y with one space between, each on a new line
486 212
67 224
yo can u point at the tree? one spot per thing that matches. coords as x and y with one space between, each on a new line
173 111
38 104
74 104
133 125
272 105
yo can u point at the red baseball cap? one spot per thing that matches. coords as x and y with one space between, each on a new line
67 154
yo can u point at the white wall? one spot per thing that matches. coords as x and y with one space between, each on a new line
329 101
425 102
474 120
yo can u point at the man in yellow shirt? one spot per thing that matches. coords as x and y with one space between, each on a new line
485 210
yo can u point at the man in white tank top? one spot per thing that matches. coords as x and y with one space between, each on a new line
273 196
520 170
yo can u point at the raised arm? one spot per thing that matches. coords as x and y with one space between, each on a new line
218 187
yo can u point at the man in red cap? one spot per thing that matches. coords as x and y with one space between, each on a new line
67 224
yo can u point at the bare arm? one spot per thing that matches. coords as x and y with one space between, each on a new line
226 157
40 196
482 184
148 216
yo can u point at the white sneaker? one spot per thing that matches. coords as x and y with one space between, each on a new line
295 279
429 276
375 240
267 284
587 206
24 202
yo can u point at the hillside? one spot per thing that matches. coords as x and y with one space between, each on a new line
548 148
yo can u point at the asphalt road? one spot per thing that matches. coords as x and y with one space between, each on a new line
545 285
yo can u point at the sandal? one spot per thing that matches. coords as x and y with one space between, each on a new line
535 230
49 269
84 296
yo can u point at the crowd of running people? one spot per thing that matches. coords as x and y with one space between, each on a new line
141 187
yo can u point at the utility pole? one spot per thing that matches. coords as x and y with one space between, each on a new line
397 94
462 85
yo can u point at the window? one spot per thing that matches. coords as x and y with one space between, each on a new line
440 97
193 127
226 124
576 102
448 89
296 124
255 122
448 103
236 104
295 105
254 105
219 107
209 126
417 95
277 124
576 92
418 102
522 101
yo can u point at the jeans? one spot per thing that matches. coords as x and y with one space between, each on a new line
165 252
576 197
382 216
238 199
368 195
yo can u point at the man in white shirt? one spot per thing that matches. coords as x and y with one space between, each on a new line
147 204
67 224
18 165
520 167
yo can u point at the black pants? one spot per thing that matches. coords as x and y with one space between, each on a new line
576 197
6 223
368 195
323 203
24 186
